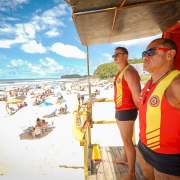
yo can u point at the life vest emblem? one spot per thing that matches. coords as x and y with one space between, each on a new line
154 101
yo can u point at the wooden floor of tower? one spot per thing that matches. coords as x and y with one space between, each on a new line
106 169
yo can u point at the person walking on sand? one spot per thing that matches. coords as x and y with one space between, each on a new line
159 113
127 89
82 98
79 98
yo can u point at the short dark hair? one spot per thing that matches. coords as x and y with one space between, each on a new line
123 49
167 43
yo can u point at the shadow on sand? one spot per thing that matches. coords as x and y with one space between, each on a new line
26 136
56 115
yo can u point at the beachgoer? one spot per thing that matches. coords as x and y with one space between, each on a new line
7 106
20 106
69 92
38 123
82 98
127 89
63 110
24 104
159 113
35 102
79 98
44 124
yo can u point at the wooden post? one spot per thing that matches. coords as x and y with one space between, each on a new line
86 145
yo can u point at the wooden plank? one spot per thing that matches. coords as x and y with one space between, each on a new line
106 165
107 170
114 167
100 171
119 154
94 100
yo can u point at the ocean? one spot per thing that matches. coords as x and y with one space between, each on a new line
8 83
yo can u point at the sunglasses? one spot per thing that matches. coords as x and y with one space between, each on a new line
150 52
116 55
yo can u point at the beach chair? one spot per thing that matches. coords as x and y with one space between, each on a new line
65 110
25 131
47 126
54 112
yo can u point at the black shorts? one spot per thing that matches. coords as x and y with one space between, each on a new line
164 163
126 115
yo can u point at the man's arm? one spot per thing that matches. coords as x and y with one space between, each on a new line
132 78
173 93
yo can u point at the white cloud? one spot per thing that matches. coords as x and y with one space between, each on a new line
7 5
29 29
47 66
70 19
36 69
57 1
67 50
18 62
25 30
50 18
6 29
22 33
53 33
33 47
138 42
10 19
108 56
8 43
37 11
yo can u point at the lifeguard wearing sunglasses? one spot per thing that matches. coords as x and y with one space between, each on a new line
150 52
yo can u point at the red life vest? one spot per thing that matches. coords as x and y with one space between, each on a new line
122 94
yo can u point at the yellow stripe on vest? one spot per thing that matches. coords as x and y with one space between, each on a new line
153 113
119 87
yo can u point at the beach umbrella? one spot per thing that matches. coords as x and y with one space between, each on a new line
14 101
20 97
45 104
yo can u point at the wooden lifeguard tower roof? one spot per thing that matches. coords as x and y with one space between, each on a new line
106 21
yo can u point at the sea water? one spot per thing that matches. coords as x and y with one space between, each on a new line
8 83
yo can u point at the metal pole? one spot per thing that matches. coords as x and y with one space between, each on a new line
88 75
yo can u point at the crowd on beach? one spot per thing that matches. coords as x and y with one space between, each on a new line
38 94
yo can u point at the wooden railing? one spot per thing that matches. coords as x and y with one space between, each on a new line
82 127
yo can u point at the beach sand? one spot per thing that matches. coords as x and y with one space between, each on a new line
46 156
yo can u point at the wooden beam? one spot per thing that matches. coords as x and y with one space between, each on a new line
121 8
104 122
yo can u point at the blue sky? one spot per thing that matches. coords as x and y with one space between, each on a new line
38 39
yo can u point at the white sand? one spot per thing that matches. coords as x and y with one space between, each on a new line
41 157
